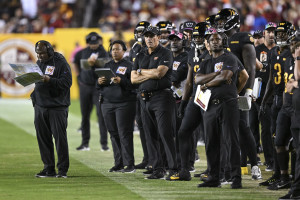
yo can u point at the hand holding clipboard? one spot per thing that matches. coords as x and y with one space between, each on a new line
105 75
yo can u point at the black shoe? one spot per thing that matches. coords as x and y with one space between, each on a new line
269 168
183 175
142 165
197 158
199 175
270 181
204 177
148 172
104 147
83 148
171 173
236 183
46 174
192 169
289 196
283 184
157 174
61 175
116 169
129 169
210 184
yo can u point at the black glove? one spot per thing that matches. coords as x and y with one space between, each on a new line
181 109
261 111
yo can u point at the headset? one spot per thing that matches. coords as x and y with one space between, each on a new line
50 49
118 42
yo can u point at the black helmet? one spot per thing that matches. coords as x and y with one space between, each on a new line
139 28
200 29
290 31
165 26
230 19
211 20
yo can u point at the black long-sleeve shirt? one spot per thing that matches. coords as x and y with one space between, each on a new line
56 92
123 92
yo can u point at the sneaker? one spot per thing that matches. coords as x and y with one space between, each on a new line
259 161
236 183
116 169
192 169
170 174
256 173
270 181
129 169
199 175
269 168
283 184
210 184
83 148
148 172
204 177
61 175
104 147
142 165
183 175
157 174
224 181
46 174
289 196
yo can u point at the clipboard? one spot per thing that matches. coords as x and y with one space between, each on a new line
106 72
100 62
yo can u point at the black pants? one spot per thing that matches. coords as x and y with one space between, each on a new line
221 121
52 122
119 120
186 134
266 136
158 115
89 96
295 128
138 119
275 108
247 141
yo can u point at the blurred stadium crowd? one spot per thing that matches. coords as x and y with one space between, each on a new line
43 16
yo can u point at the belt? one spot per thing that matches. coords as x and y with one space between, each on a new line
146 95
216 101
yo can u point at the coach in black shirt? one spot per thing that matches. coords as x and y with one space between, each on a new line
118 107
51 100
152 71
89 96
220 76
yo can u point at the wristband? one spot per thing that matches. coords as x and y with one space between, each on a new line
298 58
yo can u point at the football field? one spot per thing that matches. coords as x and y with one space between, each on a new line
88 176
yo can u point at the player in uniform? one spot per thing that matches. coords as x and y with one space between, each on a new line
134 51
276 85
165 28
241 44
262 73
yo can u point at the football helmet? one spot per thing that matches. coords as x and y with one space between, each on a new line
288 34
211 21
139 28
227 19
165 26
199 31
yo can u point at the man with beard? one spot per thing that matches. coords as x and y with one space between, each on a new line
51 100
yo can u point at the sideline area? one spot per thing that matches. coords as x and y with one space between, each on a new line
88 177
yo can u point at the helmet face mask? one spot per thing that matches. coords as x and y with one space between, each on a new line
198 34
227 19
138 31
284 33
165 28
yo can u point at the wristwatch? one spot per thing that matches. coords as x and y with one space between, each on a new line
139 71
298 58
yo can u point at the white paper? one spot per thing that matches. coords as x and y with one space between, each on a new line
244 103
257 87
27 74
202 98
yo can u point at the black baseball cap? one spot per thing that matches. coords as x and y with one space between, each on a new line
151 29
258 34
93 38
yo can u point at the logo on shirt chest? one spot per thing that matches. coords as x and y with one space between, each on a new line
121 70
49 70
176 65
263 56
218 66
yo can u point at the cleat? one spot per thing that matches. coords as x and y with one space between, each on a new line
157 174
61 175
104 147
129 169
116 169
270 181
183 175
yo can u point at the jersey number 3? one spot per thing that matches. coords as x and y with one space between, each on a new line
277 79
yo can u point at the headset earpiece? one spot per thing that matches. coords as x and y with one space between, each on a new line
50 50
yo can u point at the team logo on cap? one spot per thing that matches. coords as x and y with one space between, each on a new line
49 70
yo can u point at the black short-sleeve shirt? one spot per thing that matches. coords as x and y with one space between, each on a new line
160 56
180 68
226 61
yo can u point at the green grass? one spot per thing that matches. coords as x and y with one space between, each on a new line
88 177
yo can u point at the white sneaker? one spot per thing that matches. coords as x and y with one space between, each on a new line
83 148
256 173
